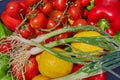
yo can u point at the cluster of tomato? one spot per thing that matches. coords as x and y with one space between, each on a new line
48 16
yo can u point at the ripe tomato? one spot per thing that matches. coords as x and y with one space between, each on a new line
46 8
59 4
5 46
51 23
101 76
110 32
85 2
61 36
80 22
26 31
57 15
30 2
77 3
13 8
39 21
74 12
30 69
76 67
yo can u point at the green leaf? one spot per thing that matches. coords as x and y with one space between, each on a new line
4 31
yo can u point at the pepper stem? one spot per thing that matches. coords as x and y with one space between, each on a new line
91 5
103 24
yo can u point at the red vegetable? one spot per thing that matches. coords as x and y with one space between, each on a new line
105 16
30 69
9 21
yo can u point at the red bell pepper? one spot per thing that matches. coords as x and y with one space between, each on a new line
9 21
105 16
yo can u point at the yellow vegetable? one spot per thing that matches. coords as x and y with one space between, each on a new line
51 66
70 21
86 47
40 77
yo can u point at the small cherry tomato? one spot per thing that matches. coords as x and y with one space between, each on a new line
39 21
76 67
5 46
30 2
26 31
57 15
110 32
59 4
85 2
61 36
51 24
30 69
80 22
46 8
101 76
74 12
78 3
13 8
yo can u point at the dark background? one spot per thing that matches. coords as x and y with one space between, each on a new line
110 76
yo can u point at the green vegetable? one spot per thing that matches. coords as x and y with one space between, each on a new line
4 67
4 31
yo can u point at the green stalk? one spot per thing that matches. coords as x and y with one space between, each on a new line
70 29
87 70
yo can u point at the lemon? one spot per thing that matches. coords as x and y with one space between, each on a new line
40 77
86 47
51 66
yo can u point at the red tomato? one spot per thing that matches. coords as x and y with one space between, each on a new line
49 40
78 3
26 31
5 47
80 22
38 32
46 8
13 8
101 76
57 15
39 21
76 67
51 23
110 32
30 69
30 2
85 2
74 12
61 36
59 4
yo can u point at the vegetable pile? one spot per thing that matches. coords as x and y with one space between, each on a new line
59 39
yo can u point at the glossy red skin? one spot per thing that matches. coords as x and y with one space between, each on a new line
74 12
101 76
26 31
10 22
107 12
85 2
106 2
5 47
39 21
30 2
78 3
59 4
46 8
51 24
61 36
30 69
80 22
58 15
110 32
76 67
38 32
13 8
